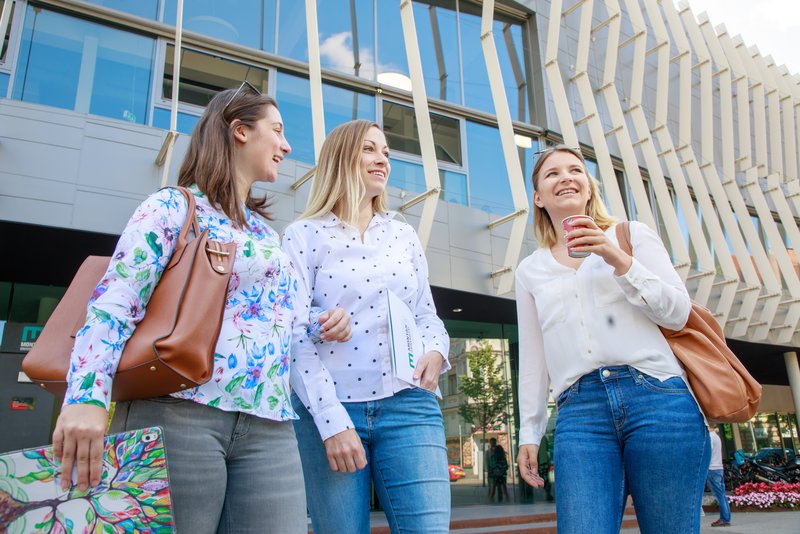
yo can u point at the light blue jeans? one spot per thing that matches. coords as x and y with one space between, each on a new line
620 431
229 472
716 481
403 437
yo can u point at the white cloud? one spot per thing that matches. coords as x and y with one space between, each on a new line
337 49
773 26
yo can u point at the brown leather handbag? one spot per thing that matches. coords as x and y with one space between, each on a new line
725 391
172 347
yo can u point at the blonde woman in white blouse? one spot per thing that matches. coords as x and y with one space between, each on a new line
627 423
358 423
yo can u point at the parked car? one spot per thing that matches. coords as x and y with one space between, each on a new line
456 472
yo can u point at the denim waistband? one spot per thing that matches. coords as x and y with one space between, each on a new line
613 372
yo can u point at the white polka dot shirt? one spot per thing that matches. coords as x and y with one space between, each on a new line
336 269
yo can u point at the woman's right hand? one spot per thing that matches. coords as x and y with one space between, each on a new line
527 460
345 452
78 441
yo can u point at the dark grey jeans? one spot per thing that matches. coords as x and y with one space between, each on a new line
229 472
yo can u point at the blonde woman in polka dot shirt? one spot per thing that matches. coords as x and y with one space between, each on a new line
358 423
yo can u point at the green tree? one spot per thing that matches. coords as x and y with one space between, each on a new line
486 391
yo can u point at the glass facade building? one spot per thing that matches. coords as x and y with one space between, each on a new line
90 85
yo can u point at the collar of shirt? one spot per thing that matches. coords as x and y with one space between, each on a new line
330 220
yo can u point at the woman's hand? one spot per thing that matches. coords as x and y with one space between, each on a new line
345 452
428 369
529 465
335 325
78 441
588 237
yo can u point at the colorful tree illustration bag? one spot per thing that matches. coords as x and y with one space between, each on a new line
133 494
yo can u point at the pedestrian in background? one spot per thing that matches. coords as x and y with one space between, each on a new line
498 471
627 422
233 461
359 425
716 479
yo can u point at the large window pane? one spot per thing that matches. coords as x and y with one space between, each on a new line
141 8
510 54
437 34
250 23
342 105
292 39
294 99
391 44
347 36
410 176
203 76
75 64
186 122
400 125
477 93
4 84
488 178
7 36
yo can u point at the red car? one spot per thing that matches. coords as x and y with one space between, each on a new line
456 472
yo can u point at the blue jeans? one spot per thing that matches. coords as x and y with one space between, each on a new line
403 437
716 481
620 431
229 472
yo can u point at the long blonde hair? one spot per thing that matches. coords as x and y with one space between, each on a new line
543 226
338 186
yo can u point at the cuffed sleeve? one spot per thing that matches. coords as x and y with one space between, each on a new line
119 300
310 379
652 284
534 381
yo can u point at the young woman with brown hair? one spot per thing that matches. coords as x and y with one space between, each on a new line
231 451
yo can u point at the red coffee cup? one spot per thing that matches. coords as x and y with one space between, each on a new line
568 224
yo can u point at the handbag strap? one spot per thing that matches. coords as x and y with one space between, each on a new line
623 231
190 224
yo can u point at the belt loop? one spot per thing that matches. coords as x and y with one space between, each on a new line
635 374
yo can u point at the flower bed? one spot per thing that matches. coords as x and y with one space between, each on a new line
762 496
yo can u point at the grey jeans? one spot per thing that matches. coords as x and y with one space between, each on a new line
229 472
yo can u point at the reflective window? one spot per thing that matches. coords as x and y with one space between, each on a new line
410 176
204 75
7 36
477 93
75 64
292 39
185 125
391 45
147 9
437 34
400 126
250 23
342 105
488 178
347 36
4 77
294 99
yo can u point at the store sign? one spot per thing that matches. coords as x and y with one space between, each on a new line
19 337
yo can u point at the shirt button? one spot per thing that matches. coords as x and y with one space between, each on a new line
606 373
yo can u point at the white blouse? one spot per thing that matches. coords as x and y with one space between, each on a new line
336 269
573 321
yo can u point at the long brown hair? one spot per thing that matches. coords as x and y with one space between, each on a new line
209 160
542 224
338 186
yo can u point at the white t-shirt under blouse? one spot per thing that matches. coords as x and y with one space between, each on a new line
336 269
573 321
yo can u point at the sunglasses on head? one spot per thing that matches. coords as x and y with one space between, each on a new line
244 86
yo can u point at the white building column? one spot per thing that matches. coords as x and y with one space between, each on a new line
793 370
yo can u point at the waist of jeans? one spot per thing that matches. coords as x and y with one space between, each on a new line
612 372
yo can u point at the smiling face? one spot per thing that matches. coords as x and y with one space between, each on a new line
261 148
562 186
375 166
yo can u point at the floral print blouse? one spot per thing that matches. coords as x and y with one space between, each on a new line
251 360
